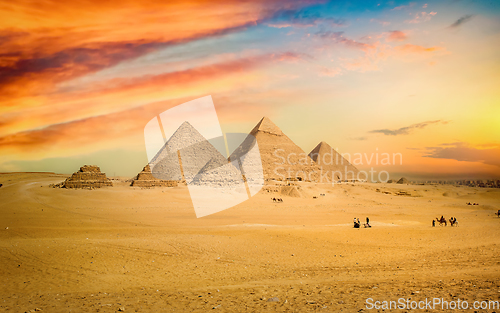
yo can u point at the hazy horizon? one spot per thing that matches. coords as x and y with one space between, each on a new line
415 78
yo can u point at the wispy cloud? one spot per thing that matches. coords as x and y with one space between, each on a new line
330 72
362 138
464 19
401 7
409 48
464 152
338 37
381 22
421 17
396 35
406 130
302 18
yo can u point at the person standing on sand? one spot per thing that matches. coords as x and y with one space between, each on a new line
367 221
433 223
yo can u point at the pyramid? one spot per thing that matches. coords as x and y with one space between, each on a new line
403 181
276 149
332 164
146 179
186 149
89 177
218 172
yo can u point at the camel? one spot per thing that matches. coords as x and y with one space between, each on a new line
441 221
453 222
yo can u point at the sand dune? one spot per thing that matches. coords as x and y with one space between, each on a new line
144 250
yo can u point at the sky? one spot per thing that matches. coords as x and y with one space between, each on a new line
80 80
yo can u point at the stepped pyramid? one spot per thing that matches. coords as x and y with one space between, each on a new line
146 179
332 164
89 176
274 145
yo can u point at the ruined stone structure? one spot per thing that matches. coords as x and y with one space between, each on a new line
146 180
89 176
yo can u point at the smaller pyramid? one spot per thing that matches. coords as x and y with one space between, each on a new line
146 179
218 172
88 177
403 180
332 163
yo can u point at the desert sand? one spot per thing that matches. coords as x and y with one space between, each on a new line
131 249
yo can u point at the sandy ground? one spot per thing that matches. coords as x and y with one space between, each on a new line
143 250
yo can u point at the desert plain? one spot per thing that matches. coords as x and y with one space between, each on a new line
132 249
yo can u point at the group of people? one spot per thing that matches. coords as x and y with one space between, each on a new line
442 220
277 199
468 203
357 223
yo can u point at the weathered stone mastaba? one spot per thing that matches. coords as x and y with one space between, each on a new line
89 177
332 164
146 179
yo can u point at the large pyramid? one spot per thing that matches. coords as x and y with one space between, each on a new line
332 164
89 177
189 150
281 158
146 179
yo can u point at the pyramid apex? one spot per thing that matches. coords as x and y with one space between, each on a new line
319 150
266 125
185 124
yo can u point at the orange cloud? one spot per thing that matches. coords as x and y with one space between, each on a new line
396 35
110 112
49 42
409 48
